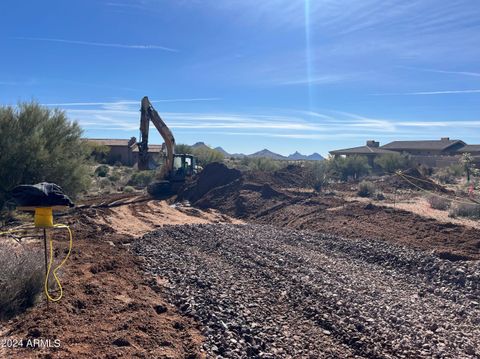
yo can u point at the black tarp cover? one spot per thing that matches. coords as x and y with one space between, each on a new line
40 195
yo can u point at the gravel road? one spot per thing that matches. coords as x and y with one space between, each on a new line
267 292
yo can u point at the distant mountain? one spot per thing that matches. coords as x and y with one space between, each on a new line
297 156
315 157
268 154
220 149
226 154
199 145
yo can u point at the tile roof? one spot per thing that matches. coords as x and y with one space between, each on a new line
108 141
362 150
151 148
470 148
439 145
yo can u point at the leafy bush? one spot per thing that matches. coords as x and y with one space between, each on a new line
366 189
115 177
263 164
183 149
344 168
392 162
142 178
128 189
99 153
465 210
207 155
437 202
22 278
449 175
104 182
102 171
39 144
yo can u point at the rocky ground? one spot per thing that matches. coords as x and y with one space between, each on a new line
263 291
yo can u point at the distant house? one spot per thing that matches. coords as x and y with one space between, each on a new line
124 151
371 150
443 147
432 153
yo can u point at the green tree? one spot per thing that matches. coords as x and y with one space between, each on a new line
39 144
207 155
391 162
99 153
344 168
182 148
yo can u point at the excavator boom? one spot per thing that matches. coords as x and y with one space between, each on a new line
148 113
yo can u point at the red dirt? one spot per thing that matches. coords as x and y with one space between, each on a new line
109 308
259 198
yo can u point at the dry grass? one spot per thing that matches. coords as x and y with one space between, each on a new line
21 279
437 202
466 210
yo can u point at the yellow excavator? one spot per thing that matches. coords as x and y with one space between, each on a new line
176 168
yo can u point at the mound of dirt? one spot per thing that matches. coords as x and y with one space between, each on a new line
231 191
213 175
292 176
413 179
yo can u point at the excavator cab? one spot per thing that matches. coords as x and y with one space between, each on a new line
183 166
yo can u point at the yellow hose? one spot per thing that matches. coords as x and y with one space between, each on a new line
50 263
49 267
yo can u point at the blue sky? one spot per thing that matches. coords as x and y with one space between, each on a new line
245 74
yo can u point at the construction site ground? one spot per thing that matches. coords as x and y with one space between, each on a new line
127 297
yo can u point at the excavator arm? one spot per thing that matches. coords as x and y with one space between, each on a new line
148 113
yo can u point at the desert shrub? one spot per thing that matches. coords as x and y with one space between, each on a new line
128 189
318 174
343 168
465 210
207 155
104 182
142 178
39 144
183 149
22 278
392 162
263 164
102 171
366 189
437 202
98 153
425 171
444 176
114 177
449 175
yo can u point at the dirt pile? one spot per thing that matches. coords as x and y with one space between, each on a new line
291 176
233 192
213 175
414 180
